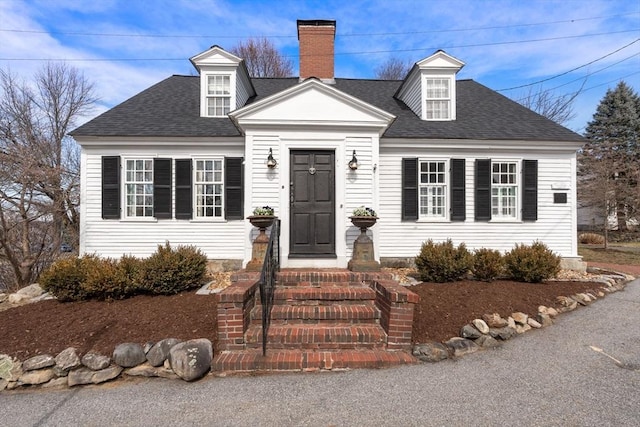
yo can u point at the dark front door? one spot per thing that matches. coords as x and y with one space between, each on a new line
312 204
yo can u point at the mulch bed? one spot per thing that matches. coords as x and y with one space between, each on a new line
48 327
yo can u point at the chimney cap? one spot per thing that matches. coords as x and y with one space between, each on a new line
315 23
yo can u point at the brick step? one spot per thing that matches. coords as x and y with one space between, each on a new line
298 277
306 360
339 336
293 314
317 294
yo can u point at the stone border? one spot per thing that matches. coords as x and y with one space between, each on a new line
191 360
169 358
492 329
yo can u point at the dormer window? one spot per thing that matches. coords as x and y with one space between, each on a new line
218 95
438 102
429 89
225 84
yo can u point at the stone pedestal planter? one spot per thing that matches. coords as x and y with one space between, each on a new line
363 258
261 241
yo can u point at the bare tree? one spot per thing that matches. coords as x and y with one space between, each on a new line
545 102
39 174
263 59
393 69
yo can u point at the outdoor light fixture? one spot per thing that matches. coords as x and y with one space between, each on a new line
353 164
271 162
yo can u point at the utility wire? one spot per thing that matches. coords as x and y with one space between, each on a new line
351 53
571 70
72 33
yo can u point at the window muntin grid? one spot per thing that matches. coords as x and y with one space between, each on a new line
433 189
208 185
139 188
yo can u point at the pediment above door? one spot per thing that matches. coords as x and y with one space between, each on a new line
312 103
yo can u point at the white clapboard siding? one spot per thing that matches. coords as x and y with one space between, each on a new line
218 239
359 184
554 226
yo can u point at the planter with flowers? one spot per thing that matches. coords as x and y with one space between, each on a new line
262 218
363 258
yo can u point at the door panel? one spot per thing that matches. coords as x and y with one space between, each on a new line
312 204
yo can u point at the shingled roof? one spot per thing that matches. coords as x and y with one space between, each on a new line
171 108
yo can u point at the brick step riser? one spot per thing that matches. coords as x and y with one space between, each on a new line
328 337
293 314
340 295
319 302
330 284
295 360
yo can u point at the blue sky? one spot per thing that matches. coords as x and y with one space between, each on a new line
125 46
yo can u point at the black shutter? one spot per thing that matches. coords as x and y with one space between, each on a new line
162 188
184 198
483 190
111 187
458 190
530 193
410 189
233 188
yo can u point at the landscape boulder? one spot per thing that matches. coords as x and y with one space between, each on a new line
67 360
430 352
129 355
40 376
38 362
95 362
159 352
191 360
461 346
470 332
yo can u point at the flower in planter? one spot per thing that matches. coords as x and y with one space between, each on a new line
263 211
362 211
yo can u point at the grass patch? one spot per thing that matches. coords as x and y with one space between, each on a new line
611 255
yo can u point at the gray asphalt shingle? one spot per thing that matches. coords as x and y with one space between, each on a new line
171 108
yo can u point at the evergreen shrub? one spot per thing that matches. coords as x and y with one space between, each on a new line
170 271
533 263
488 264
442 262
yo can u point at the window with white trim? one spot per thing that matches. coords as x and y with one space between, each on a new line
504 190
218 95
208 183
438 99
139 187
433 189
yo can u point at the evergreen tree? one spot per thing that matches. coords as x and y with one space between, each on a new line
610 162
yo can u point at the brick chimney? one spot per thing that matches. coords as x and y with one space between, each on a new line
316 39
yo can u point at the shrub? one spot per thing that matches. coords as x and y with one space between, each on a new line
533 263
108 279
488 264
169 271
64 279
442 262
591 239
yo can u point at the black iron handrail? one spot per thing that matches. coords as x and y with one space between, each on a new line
270 267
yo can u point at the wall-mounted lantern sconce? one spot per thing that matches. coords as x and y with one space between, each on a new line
271 162
353 164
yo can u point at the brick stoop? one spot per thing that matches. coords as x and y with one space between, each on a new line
307 360
321 319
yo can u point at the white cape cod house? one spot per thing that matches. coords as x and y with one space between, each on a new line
185 161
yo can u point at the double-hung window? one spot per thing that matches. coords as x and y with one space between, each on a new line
139 188
504 190
218 95
438 99
208 183
433 189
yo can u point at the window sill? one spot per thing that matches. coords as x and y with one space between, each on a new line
208 220
139 219
430 220
506 221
